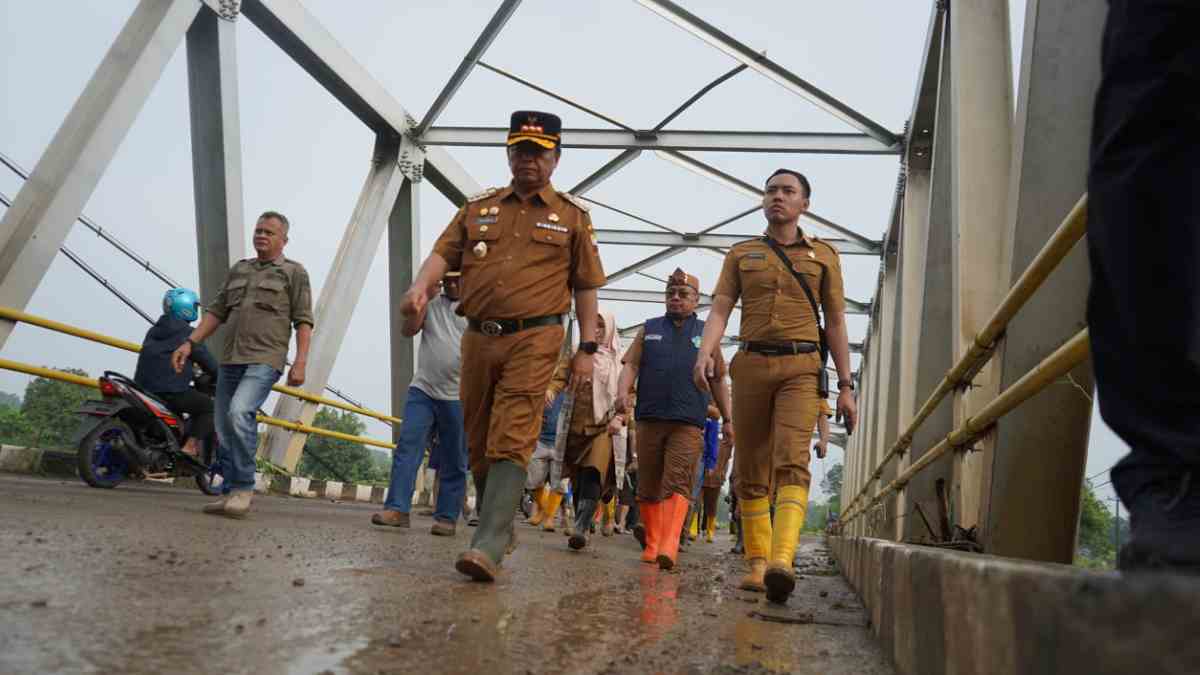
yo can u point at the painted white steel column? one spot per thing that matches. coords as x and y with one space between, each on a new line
340 294
981 138
63 179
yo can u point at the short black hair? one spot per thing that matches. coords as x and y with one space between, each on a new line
799 176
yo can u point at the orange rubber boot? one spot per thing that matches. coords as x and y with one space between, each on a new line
651 515
674 512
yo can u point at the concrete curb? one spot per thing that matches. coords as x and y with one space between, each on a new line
938 611
61 463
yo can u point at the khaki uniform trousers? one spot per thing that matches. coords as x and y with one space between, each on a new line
503 392
667 457
779 395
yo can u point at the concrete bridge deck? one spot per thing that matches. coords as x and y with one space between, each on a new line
137 580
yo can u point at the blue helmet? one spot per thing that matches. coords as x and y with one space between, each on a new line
182 303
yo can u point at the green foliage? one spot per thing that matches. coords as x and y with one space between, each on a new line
831 484
51 409
327 458
1096 546
8 400
14 428
814 518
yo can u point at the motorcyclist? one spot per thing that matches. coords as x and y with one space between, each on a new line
156 375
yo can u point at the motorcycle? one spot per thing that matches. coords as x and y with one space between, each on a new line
132 434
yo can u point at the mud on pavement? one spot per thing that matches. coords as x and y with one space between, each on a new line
137 580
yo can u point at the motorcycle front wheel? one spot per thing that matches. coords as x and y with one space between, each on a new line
100 464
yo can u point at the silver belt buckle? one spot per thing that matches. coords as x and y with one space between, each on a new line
492 328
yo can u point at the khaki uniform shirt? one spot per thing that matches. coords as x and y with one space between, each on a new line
825 409
774 306
260 303
520 259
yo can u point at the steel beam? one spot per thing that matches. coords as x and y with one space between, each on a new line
981 138
701 240
490 31
695 140
290 26
341 291
216 150
605 172
404 259
1033 507
697 96
656 297
670 252
47 205
765 66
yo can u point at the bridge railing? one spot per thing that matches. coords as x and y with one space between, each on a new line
92 336
983 347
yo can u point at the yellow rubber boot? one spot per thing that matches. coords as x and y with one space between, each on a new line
790 505
756 528
610 517
553 501
539 498
710 528
694 527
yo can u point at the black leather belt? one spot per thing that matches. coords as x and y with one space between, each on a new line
780 348
495 327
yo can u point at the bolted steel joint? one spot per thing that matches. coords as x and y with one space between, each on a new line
228 9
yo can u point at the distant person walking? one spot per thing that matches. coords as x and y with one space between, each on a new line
262 300
432 403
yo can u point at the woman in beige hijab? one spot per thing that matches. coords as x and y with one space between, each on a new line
584 438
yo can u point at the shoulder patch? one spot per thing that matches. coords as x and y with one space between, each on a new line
576 201
483 195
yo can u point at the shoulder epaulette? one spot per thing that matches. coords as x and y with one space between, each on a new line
483 195
576 201
826 244
749 241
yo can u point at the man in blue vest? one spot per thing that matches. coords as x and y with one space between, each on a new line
670 415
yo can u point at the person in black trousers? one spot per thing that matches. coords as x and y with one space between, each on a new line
1144 245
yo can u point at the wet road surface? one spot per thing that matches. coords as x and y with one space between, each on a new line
137 580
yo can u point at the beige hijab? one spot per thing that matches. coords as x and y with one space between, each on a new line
606 370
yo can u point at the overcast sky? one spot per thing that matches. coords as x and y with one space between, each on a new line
304 155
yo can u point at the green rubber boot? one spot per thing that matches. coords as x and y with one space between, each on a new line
505 483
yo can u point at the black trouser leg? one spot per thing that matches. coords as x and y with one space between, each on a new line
198 407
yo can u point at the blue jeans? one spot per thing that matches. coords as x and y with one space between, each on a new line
421 415
241 391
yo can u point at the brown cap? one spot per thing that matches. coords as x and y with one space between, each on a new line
681 278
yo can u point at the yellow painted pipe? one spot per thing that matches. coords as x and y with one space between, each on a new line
1069 232
67 329
1054 366
52 374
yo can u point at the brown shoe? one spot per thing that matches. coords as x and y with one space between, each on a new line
753 581
238 504
779 581
216 508
475 564
442 528
390 518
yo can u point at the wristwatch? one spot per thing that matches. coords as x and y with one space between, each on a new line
193 343
588 347
842 384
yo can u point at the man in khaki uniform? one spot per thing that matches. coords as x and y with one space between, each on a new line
262 300
522 250
775 373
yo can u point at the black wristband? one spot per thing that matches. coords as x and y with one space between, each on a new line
589 347
842 384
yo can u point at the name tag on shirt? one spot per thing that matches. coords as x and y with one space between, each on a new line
487 220
552 226
653 337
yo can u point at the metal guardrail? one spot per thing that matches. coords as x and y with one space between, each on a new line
67 329
16 315
1066 357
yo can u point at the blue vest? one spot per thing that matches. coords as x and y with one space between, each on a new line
665 391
